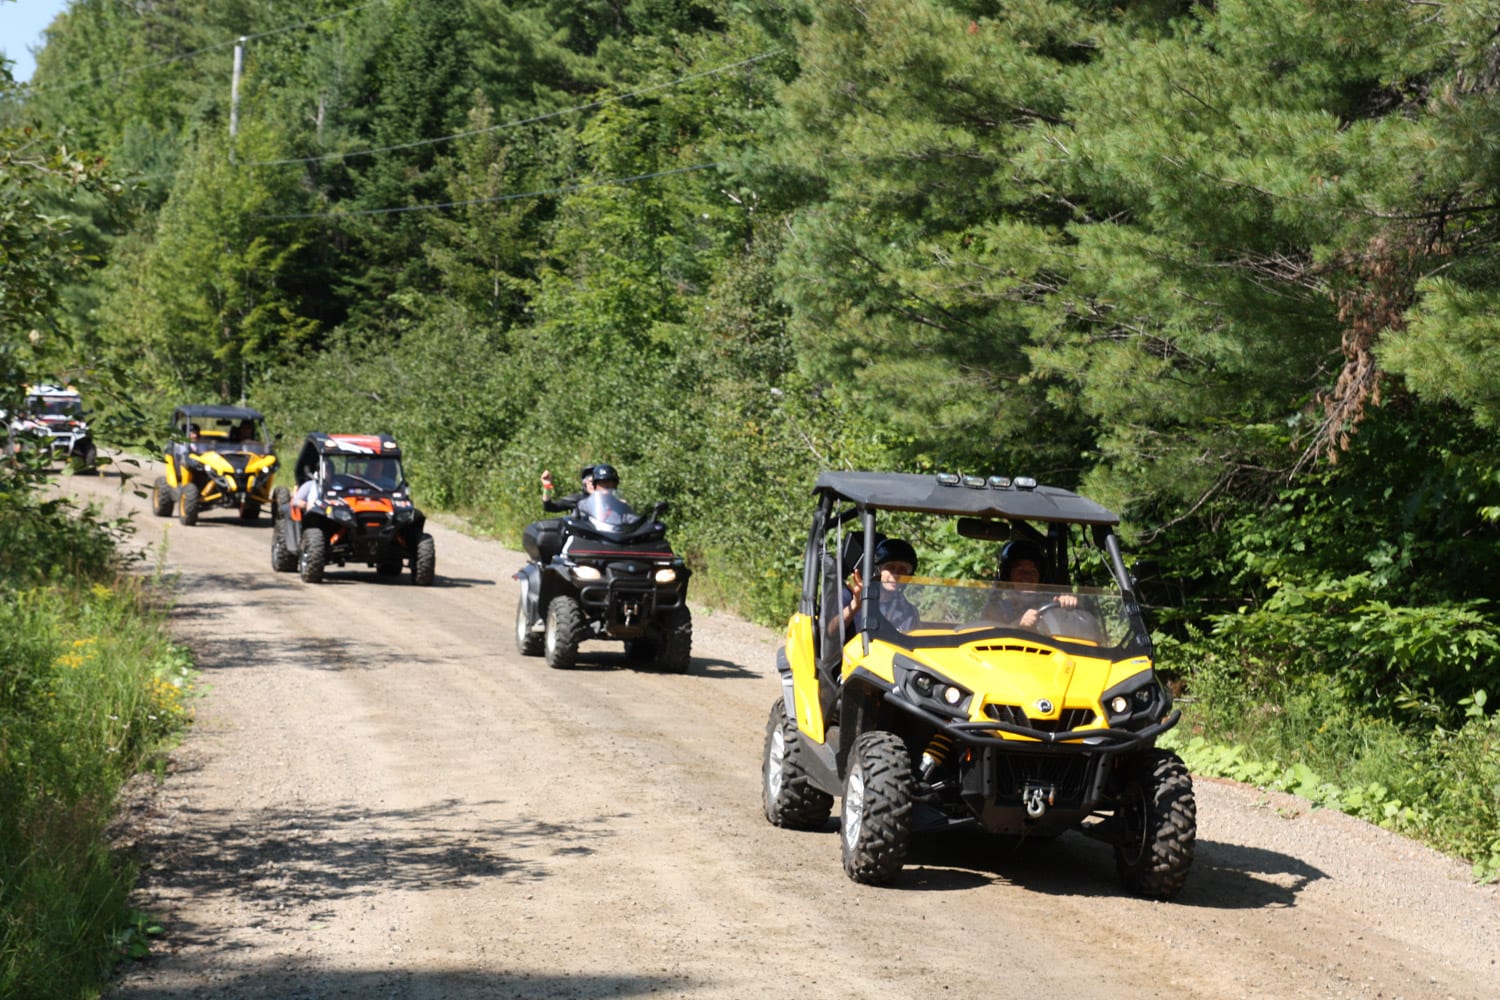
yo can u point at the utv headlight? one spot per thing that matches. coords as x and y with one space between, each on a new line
587 572
667 575
404 515
340 512
926 688
1138 700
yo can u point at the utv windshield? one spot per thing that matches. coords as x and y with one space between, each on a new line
606 510
364 473
55 406
1087 615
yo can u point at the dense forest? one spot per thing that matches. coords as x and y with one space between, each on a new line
1227 267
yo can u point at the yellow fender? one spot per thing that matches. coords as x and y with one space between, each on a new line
800 656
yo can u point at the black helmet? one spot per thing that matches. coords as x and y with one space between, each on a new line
1019 550
605 473
895 550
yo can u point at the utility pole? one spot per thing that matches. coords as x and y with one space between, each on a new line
234 93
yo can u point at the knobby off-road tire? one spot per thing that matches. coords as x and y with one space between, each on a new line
283 559
674 653
86 460
162 498
314 555
564 632
528 643
187 504
789 798
424 563
1158 825
875 824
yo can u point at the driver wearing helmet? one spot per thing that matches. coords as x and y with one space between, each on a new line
1021 565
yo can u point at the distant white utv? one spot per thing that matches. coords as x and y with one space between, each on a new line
53 419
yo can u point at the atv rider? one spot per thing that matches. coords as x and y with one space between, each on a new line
1021 564
894 558
591 478
563 505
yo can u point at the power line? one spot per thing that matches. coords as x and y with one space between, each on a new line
499 198
217 46
592 105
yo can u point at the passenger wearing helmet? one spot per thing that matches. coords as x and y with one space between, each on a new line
567 504
894 560
604 477
1021 565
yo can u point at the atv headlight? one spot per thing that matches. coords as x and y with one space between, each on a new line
926 688
1137 701
587 572
667 575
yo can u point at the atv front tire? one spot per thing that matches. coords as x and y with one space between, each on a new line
314 555
187 504
528 642
564 632
875 825
674 653
162 498
85 460
424 563
283 559
789 798
1158 825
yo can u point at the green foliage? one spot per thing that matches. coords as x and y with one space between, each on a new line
204 309
91 691
1442 788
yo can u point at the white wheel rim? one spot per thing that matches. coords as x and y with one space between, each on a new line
773 764
854 807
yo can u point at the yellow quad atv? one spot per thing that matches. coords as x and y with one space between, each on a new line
217 456
932 707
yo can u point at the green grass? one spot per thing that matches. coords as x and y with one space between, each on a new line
92 692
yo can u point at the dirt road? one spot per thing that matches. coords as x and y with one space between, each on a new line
381 798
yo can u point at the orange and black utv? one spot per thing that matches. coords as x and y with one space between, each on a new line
357 508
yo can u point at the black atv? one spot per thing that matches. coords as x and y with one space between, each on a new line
360 510
604 572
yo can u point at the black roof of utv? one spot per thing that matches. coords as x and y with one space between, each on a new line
975 496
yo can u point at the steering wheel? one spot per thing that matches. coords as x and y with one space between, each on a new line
1049 606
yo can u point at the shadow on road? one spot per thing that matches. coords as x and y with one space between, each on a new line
606 660
315 858
312 980
1224 876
